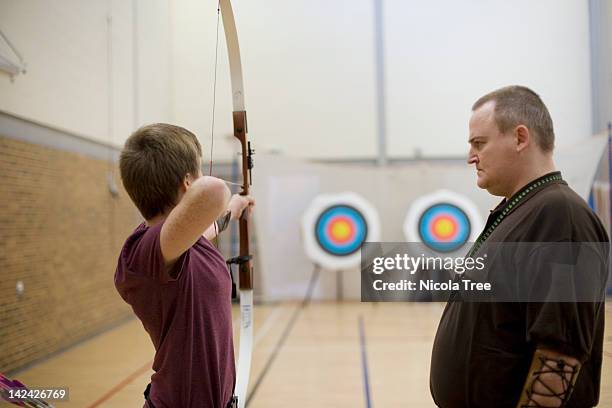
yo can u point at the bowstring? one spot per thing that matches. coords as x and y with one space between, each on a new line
212 129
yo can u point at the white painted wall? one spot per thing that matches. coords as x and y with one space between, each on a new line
309 69
443 55
600 17
75 64
155 77
65 48
310 73
606 43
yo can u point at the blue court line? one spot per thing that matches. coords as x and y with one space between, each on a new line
364 364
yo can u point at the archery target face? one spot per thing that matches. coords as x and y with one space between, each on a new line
444 221
336 226
341 230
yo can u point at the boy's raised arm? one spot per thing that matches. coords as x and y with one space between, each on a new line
202 203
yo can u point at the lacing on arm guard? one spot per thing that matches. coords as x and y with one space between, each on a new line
223 222
541 366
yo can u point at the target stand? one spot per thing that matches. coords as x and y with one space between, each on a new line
335 227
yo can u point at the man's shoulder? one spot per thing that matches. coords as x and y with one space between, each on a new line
561 205
562 198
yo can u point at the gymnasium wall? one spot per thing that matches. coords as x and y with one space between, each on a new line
60 233
309 75
97 68
600 16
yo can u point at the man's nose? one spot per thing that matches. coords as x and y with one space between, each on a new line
472 158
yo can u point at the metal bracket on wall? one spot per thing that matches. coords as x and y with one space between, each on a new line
7 64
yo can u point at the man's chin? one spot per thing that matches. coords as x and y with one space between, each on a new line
484 184
481 182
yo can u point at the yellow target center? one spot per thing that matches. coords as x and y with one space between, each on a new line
341 230
444 228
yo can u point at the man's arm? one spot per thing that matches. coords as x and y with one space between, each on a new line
201 204
550 380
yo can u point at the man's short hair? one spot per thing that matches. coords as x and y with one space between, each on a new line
153 163
518 105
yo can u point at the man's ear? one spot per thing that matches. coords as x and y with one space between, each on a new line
522 136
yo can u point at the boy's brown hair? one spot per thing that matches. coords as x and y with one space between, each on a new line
153 163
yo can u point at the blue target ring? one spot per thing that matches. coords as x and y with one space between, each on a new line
444 227
341 230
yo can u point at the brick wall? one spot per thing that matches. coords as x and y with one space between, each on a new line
60 234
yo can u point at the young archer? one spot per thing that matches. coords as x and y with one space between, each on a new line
175 280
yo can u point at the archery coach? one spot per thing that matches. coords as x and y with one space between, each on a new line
526 353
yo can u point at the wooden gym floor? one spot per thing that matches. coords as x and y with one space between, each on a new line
320 355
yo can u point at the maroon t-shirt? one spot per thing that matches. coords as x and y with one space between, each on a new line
189 318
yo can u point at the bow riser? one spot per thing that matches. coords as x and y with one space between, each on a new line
240 132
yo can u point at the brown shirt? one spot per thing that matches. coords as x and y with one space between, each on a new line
482 351
188 316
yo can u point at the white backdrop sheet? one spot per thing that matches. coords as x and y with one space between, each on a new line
284 188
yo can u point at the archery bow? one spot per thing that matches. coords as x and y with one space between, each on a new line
7 386
243 260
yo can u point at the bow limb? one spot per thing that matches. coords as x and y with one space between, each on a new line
244 263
